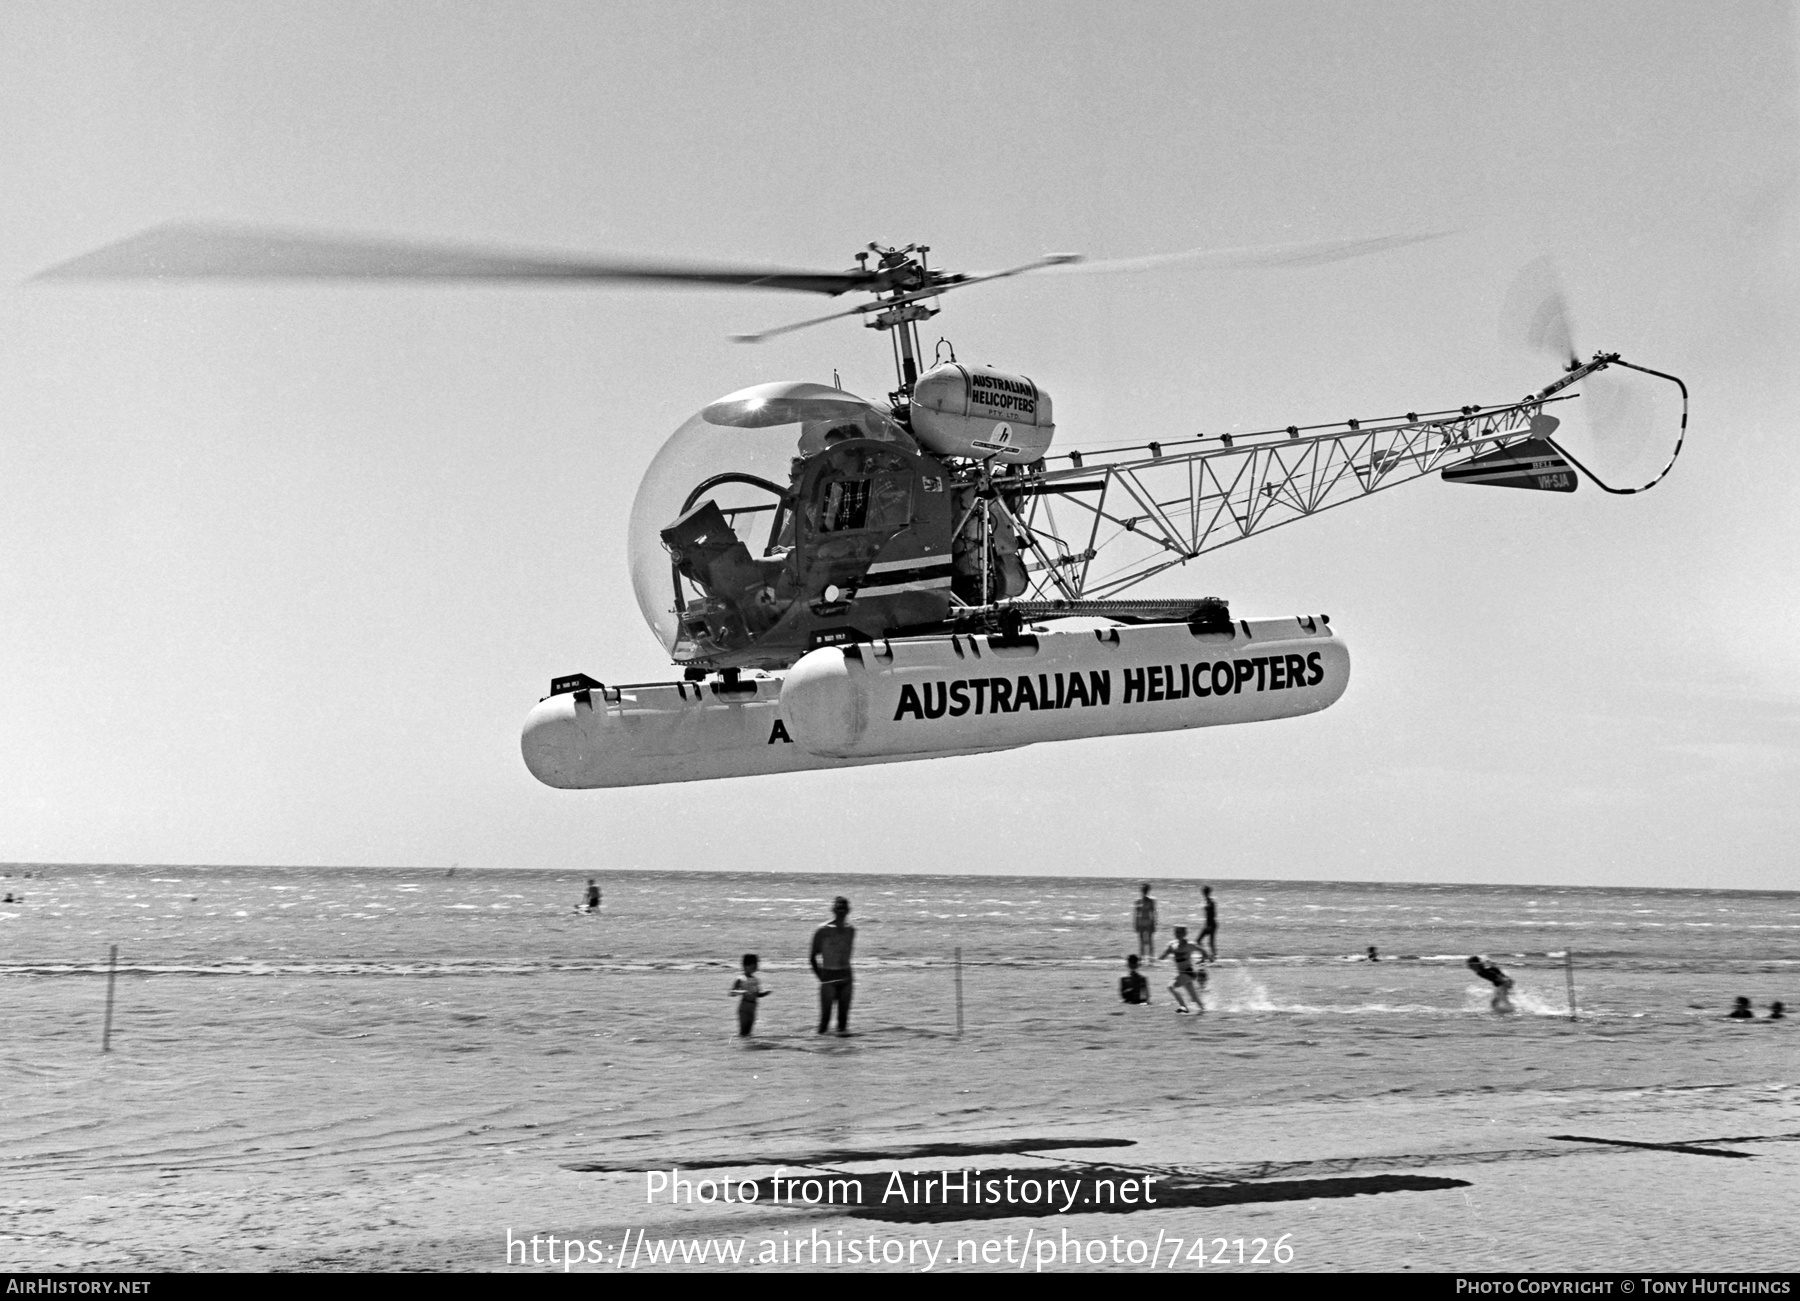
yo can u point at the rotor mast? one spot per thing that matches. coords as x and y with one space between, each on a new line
909 281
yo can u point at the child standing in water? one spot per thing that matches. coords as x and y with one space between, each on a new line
747 989
1188 976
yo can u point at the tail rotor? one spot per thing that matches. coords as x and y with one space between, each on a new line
1536 312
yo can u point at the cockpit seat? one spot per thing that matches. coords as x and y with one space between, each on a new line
741 600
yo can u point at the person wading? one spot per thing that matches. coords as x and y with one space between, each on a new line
1143 920
1209 933
830 958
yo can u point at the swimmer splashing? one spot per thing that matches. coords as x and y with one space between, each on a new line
1501 982
1190 974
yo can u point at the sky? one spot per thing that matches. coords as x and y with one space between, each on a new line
282 568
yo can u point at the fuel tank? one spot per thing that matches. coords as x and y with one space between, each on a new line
668 732
981 413
948 693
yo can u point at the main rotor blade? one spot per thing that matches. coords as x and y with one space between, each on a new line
944 286
1036 264
207 252
1310 254
801 325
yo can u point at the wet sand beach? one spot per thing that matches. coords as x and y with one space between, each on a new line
361 1101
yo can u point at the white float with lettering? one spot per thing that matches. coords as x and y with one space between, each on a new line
922 698
921 695
668 732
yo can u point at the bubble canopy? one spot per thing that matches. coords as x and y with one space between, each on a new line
738 452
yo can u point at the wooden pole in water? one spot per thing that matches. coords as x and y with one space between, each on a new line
1569 974
112 974
958 992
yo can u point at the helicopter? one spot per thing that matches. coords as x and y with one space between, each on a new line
845 581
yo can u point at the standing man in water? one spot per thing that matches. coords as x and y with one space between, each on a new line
1209 933
830 958
1143 919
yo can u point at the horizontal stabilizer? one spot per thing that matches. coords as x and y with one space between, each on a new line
1532 463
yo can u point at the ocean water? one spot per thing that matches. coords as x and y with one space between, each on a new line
284 1037
1277 937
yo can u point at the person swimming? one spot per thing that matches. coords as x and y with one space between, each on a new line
1501 982
1777 1011
592 902
1740 1010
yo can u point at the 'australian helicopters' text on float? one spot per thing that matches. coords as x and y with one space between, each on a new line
930 694
1154 682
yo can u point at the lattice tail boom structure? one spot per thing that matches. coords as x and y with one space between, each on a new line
1107 521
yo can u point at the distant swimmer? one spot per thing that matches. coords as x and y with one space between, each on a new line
1740 1010
1188 975
1501 982
1373 955
592 903
1209 933
1143 920
747 989
1133 988
830 958
1777 1011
